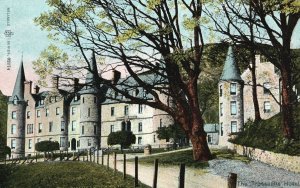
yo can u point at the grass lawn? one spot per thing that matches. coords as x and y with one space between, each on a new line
62 174
186 157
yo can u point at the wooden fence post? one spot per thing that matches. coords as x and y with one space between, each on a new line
83 158
102 158
181 175
115 161
136 177
232 178
97 156
107 160
124 166
155 173
36 157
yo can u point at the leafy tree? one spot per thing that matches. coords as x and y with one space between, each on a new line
256 22
157 36
124 138
47 146
4 151
171 132
3 119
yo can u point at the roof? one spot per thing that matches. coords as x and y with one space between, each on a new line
211 128
230 71
18 91
90 80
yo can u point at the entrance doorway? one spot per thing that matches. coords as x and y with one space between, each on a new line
73 144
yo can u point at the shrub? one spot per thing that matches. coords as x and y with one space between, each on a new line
124 138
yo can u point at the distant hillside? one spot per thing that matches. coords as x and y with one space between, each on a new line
3 118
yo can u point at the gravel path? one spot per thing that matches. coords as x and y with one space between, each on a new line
255 174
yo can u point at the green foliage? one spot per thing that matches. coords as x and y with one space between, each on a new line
62 174
4 151
267 135
46 146
3 119
173 131
124 138
49 60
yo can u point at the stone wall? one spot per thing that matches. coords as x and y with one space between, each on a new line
287 162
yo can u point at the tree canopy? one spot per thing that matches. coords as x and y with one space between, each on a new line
124 138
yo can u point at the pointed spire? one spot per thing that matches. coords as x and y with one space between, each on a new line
19 84
230 71
90 77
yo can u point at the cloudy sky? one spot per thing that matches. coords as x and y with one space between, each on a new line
29 39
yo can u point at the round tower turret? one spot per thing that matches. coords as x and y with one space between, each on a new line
231 111
16 117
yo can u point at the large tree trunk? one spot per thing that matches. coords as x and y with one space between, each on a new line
257 116
201 151
287 106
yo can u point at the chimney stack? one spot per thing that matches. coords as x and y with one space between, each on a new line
28 87
37 89
76 84
55 80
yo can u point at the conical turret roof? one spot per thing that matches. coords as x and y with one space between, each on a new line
91 79
19 84
230 71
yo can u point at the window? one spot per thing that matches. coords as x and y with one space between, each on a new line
78 143
62 142
29 128
128 126
50 126
137 92
160 123
233 107
140 108
42 102
47 112
267 107
221 129
82 130
221 109
13 128
57 111
112 128
112 111
82 99
233 126
140 127
13 144
139 140
62 126
209 140
89 142
221 90
40 127
28 115
73 125
89 112
144 93
76 98
73 110
15 101
267 88
115 94
154 138
95 129
14 115
29 143
126 110
38 113
95 99
233 89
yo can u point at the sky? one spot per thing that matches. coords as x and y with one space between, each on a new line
28 39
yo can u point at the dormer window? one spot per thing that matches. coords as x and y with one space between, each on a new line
42 102
221 90
76 98
267 88
15 101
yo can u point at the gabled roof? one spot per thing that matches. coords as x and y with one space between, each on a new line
18 91
230 71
